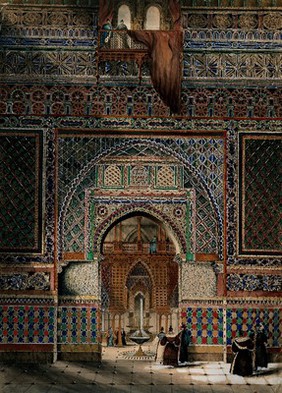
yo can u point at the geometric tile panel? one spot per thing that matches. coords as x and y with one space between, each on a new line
206 228
77 325
69 100
21 191
253 282
246 319
205 324
204 156
27 325
232 65
74 227
35 63
82 65
24 281
260 193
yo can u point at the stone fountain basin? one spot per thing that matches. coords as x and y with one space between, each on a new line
139 340
140 337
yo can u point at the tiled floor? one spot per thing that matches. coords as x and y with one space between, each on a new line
119 375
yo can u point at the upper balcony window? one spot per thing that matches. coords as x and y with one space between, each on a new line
153 19
124 15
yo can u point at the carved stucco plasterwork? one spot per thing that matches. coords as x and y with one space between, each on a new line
25 281
197 281
81 278
108 210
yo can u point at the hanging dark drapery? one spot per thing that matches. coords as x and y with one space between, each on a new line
165 51
106 9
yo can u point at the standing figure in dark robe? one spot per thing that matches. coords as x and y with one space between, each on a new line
159 347
185 338
171 350
260 348
123 337
242 363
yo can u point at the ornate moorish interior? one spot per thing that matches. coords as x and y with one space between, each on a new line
143 268
140 165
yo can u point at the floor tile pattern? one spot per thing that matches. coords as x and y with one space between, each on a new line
119 375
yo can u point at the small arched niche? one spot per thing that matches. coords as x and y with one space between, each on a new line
153 18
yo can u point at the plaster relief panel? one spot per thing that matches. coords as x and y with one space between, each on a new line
198 281
80 279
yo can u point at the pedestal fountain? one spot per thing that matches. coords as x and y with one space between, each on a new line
140 336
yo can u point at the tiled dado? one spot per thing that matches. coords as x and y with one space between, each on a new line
27 324
77 324
205 324
247 318
215 326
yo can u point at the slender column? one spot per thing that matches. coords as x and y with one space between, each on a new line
166 323
120 232
115 238
103 320
161 242
120 237
141 313
160 322
139 243
139 228
113 322
119 331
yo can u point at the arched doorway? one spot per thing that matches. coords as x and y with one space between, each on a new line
138 265
126 183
